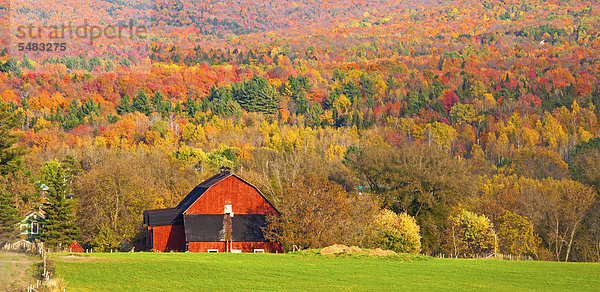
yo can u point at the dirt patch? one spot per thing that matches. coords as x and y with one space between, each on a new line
16 271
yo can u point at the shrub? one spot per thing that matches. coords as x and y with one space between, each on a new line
397 232
516 236
471 233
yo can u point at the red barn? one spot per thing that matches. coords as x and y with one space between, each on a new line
223 214
75 247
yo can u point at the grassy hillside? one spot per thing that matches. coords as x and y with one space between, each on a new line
180 271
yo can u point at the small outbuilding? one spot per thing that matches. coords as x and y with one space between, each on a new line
75 247
222 214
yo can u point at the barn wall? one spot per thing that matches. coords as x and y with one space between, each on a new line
168 238
231 191
269 247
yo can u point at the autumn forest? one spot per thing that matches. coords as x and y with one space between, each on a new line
477 120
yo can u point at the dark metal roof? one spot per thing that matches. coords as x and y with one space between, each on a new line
200 189
161 217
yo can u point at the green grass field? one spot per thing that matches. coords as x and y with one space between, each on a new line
201 271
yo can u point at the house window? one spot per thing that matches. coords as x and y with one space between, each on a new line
34 228
24 228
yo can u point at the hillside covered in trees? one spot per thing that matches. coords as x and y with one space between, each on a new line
455 113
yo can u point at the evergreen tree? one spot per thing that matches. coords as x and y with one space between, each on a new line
313 115
125 105
25 63
9 218
10 162
73 120
60 228
221 102
256 95
160 105
301 103
11 66
157 101
10 156
91 107
192 107
141 103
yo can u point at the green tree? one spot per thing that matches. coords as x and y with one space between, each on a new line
222 102
141 103
9 217
256 95
25 63
125 105
159 104
11 155
105 240
60 228
11 66
301 103
91 107
313 115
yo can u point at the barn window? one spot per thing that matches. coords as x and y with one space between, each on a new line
213 250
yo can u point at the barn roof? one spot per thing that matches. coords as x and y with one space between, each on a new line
171 216
161 217
200 189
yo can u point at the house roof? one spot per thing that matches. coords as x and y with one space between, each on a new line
32 213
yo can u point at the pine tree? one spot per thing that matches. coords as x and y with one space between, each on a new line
10 162
157 101
125 105
192 107
256 95
10 155
9 218
60 228
141 103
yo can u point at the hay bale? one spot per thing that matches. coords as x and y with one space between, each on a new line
381 252
354 249
388 252
334 249
377 251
